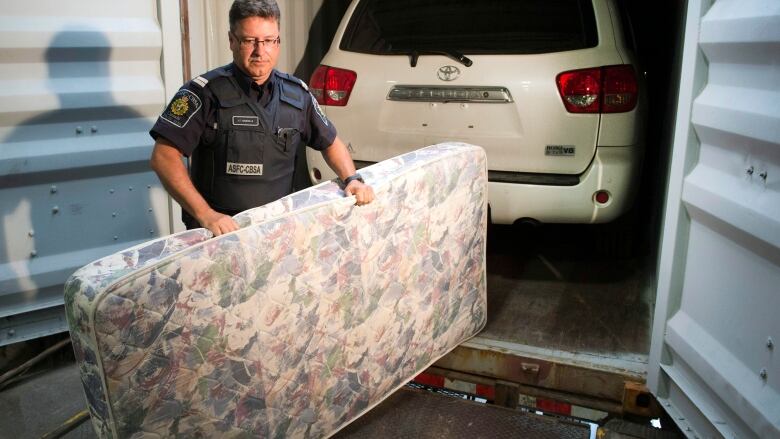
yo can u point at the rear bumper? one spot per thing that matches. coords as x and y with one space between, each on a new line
614 169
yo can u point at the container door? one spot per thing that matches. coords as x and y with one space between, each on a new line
81 83
715 358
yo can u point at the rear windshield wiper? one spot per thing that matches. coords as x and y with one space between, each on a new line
457 56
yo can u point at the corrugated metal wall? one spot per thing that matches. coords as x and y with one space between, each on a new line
715 362
80 84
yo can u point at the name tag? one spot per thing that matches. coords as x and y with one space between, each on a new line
247 121
559 150
244 168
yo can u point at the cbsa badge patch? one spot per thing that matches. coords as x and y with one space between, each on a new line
182 107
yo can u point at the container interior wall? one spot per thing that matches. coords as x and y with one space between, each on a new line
81 83
713 362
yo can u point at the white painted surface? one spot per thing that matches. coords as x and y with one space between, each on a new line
719 267
81 83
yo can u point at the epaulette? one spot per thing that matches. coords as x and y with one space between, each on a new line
292 94
292 79
203 80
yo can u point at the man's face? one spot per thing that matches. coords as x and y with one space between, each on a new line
255 46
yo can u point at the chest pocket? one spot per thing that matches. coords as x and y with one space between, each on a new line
290 120
244 135
244 152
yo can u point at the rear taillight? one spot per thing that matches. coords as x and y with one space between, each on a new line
620 89
609 89
580 90
332 86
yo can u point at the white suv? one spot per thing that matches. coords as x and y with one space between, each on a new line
548 87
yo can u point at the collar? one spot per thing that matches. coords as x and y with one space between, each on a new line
247 84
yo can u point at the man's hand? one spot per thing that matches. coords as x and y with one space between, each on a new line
362 192
217 223
338 158
167 163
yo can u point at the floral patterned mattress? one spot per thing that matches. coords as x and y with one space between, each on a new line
296 324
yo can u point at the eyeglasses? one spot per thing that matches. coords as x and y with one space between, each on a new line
252 43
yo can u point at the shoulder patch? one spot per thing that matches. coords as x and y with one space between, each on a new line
201 81
318 110
182 107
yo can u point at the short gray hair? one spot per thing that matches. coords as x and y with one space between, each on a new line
242 9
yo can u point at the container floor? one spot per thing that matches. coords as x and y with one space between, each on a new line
555 288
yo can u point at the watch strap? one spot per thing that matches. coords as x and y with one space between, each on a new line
352 178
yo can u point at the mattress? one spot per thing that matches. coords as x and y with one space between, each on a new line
309 315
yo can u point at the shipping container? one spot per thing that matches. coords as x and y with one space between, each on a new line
693 341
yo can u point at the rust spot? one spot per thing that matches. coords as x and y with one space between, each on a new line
638 400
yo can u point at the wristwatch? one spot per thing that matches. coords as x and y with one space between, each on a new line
352 178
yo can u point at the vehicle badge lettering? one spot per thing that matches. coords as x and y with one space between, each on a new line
565 150
448 73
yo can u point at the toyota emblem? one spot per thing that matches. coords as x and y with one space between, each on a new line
448 73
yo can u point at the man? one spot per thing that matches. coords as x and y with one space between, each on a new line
242 125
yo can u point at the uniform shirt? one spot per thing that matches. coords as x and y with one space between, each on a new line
318 133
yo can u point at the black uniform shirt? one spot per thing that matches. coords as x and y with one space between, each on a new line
258 93
318 133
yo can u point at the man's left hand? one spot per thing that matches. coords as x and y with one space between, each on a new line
362 192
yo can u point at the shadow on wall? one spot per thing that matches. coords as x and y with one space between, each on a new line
65 160
323 28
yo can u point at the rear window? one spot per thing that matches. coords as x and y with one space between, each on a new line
470 27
